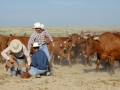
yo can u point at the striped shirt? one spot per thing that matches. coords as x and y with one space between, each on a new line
38 37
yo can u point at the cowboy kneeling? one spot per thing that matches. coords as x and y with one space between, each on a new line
39 64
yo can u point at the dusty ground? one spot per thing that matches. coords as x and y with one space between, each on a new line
77 77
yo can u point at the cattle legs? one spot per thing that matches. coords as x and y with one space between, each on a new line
69 60
112 65
98 64
52 59
50 68
61 58
119 65
69 63
87 61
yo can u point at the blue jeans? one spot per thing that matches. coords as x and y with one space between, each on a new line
45 49
34 71
13 71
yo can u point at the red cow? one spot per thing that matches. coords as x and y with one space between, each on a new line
107 47
85 60
61 48
3 45
78 47
75 41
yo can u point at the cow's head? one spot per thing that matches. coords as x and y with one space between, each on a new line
90 46
75 39
66 44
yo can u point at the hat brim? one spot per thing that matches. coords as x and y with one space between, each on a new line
40 26
36 27
37 46
18 49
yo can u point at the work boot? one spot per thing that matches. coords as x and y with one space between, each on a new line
36 76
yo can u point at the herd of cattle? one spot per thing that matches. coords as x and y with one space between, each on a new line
106 47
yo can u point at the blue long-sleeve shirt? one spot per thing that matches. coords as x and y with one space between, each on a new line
39 60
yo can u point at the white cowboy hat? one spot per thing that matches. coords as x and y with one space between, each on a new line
36 44
38 25
15 46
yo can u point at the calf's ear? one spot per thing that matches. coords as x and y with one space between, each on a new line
60 44
69 40
79 37
6 68
96 38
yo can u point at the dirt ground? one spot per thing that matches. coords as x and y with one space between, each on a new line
77 77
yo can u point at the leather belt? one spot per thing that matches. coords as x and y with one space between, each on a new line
44 44
42 69
23 57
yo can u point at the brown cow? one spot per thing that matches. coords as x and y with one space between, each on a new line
78 47
61 48
23 39
75 41
107 47
3 45
85 60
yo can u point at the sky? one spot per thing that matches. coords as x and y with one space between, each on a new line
60 12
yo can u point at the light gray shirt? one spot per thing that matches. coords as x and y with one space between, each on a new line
19 54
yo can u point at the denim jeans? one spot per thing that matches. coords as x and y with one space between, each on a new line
34 71
13 71
45 49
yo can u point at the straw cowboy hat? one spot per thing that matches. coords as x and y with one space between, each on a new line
15 46
36 44
38 25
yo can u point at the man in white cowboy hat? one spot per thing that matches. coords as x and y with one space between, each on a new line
20 52
39 36
40 63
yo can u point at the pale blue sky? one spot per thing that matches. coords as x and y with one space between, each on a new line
60 12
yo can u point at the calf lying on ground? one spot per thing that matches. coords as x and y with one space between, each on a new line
25 74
